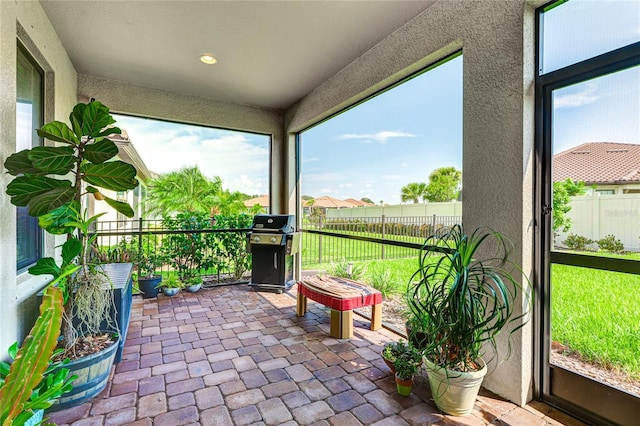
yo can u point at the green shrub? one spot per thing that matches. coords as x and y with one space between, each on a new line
188 253
383 280
577 242
232 246
340 270
610 244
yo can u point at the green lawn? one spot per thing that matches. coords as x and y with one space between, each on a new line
390 276
335 249
597 314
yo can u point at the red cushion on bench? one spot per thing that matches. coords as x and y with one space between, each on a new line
341 304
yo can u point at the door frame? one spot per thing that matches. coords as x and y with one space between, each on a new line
555 385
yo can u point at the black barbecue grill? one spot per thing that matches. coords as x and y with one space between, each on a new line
272 243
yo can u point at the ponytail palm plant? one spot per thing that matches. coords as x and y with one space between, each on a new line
463 295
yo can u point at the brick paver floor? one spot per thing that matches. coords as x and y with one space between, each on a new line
230 356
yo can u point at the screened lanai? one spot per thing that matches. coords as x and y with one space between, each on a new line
281 69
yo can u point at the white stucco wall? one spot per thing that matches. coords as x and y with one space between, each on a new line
25 20
497 41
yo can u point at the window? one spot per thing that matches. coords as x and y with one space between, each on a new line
394 161
572 31
29 116
236 163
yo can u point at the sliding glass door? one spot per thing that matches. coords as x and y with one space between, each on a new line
588 200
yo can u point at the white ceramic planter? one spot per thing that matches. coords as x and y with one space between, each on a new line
193 288
454 392
170 291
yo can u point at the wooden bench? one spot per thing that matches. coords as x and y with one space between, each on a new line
342 296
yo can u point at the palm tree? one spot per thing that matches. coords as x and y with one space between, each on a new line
185 190
230 203
413 191
444 185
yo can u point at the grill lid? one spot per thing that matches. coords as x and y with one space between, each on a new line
282 223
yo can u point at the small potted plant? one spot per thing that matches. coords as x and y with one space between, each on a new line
464 293
148 280
193 284
407 363
391 351
171 285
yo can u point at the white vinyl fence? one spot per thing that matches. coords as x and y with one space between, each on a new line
453 208
595 216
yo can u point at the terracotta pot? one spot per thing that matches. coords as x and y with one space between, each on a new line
391 366
404 386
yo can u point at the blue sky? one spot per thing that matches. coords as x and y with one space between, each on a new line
402 135
606 109
395 138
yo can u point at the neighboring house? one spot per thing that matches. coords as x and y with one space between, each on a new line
608 167
358 203
127 153
326 202
262 201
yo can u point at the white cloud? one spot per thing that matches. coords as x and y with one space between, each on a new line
240 160
572 100
250 186
345 185
380 137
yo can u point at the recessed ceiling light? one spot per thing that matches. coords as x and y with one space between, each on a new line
208 59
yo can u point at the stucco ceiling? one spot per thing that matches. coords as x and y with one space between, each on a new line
270 53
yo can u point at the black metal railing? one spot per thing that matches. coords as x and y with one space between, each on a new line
328 240
219 254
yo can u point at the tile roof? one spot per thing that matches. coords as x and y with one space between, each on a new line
326 201
599 163
358 203
262 200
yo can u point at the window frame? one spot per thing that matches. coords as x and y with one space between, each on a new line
39 246
298 135
607 63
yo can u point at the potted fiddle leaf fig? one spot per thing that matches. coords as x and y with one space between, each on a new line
52 182
464 293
